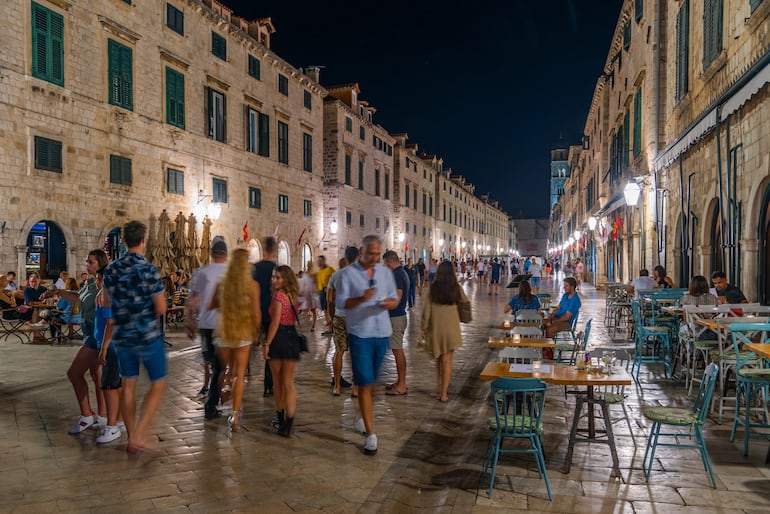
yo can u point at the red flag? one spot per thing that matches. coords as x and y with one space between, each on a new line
245 231
299 239
617 224
406 247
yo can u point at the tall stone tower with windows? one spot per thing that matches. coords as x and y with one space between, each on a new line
559 170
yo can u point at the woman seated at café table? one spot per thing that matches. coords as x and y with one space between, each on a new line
65 311
698 294
525 300
10 305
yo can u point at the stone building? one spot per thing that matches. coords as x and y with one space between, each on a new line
113 111
358 173
677 119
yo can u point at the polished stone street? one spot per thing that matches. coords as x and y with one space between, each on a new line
430 453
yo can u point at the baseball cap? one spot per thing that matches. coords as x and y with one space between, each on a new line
219 247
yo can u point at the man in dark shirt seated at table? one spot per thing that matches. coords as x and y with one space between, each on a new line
727 293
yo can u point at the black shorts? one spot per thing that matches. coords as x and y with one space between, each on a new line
208 350
322 299
110 371
285 344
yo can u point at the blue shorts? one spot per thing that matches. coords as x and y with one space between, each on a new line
534 281
152 356
366 356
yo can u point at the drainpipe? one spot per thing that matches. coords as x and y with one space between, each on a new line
719 183
656 121
684 272
730 214
690 235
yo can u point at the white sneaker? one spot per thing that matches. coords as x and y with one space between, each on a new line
359 426
108 434
121 426
81 424
100 421
370 446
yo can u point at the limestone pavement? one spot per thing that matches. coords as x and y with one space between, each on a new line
430 453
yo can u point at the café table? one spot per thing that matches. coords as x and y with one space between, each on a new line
570 376
524 342
513 324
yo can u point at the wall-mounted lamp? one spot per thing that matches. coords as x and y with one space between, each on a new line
213 210
592 223
401 237
333 227
577 235
441 242
632 192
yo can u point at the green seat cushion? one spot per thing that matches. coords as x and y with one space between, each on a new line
649 328
728 355
614 398
705 344
564 347
755 373
518 424
671 415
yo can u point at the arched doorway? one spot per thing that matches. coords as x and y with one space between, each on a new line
763 234
307 256
283 254
255 254
46 250
113 244
717 261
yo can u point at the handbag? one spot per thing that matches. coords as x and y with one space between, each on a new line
301 338
464 310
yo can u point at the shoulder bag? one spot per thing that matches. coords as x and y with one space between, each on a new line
464 310
301 338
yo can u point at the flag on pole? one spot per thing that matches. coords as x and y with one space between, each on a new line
246 231
275 232
299 239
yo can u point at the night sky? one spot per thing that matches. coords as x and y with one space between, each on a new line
489 86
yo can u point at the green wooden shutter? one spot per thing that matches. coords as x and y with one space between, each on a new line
47 45
626 130
264 135
638 10
638 122
174 98
115 169
55 148
56 73
682 49
39 41
120 71
180 100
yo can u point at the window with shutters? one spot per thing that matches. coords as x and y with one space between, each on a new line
387 186
218 46
361 221
638 10
283 84
48 154
283 204
627 35
626 130
637 147
174 181
47 45
348 218
219 190
406 195
283 142
348 178
414 203
120 70
307 100
255 198
258 135
753 4
307 208
216 115
361 175
174 98
307 152
254 67
362 133
712 30
430 206
348 124
376 182
175 19
120 170
424 203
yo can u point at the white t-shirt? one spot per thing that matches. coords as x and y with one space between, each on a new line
534 269
204 283
59 284
480 266
643 284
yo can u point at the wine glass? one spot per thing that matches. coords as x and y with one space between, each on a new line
609 359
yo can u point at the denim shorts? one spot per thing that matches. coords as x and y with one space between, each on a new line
534 281
87 328
152 356
366 355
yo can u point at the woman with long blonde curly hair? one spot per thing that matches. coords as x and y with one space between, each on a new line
237 299
281 348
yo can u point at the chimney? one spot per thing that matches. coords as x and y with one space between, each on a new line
314 72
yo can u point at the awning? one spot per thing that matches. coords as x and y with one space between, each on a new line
689 138
743 95
617 201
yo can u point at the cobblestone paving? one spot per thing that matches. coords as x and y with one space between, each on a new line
430 457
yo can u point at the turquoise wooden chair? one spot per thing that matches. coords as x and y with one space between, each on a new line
752 376
518 409
573 348
652 344
678 417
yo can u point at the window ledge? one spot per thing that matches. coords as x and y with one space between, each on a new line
119 30
714 66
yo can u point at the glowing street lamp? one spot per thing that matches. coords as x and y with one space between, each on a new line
632 191
592 223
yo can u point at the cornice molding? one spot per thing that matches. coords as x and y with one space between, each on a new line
119 30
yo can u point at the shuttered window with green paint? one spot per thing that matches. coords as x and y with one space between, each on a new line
682 49
48 154
120 71
120 170
47 44
638 122
712 30
174 98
